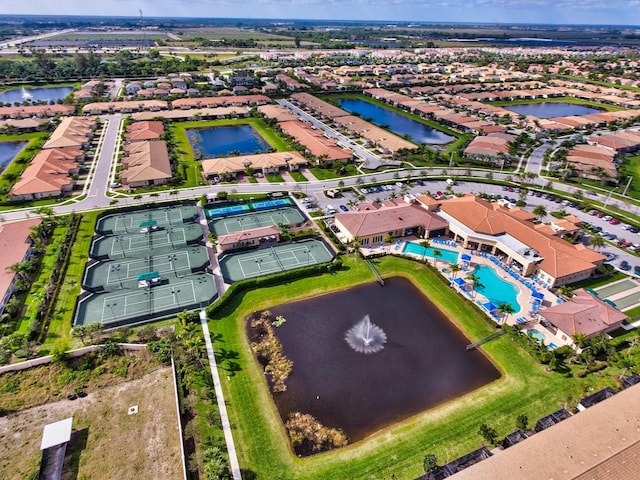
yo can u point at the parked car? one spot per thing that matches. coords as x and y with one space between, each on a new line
634 229
625 243
344 208
636 270
624 265
609 256
607 218
614 221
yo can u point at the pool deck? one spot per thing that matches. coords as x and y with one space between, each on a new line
526 317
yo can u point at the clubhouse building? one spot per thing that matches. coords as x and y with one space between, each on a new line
512 235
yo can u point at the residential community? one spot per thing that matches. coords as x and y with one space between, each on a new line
265 252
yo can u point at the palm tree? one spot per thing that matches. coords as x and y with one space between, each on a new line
597 242
505 309
425 244
455 268
540 212
436 254
475 282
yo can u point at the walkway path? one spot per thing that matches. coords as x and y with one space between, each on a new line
224 416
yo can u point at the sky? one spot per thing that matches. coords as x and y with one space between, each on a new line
613 12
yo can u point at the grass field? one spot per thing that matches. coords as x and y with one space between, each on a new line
448 431
146 444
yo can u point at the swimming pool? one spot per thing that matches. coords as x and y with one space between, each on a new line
537 334
447 255
496 289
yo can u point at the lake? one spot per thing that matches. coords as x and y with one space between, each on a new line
221 141
551 109
398 124
423 363
8 151
35 94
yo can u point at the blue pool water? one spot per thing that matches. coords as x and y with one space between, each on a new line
8 151
398 124
537 334
46 94
495 288
221 141
447 255
552 109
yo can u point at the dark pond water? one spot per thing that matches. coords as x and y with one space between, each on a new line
35 94
398 124
423 363
221 141
552 109
8 151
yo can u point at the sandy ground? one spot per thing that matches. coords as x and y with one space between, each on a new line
111 444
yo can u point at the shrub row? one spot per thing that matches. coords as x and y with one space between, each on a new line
38 327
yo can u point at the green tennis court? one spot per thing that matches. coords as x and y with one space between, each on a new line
138 245
264 261
624 303
131 222
617 287
131 306
248 221
124 272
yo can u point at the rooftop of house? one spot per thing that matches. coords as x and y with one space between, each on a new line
583 313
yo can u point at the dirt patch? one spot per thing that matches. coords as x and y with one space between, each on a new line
108 442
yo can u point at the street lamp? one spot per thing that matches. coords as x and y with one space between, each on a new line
116 269
110 307
171 258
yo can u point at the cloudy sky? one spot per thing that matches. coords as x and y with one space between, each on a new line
613 12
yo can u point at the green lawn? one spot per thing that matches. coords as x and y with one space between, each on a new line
449 430
632 167
298 177
186 156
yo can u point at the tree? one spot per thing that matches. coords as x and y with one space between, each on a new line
475 281
425 244
522 422
597 242
489 433
505 309
430 463
540 212
436 255
455 268
80 331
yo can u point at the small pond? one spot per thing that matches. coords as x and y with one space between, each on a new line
422 364
552 109
398 124
223 141
8 151
46 94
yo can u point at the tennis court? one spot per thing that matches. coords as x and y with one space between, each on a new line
251 220
132 222
264 261
614 288
138 245
624 303
124 272
129 306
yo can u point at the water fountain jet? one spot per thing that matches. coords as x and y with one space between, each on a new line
366 337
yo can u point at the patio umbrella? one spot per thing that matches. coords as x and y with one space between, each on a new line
489 306
465 257
537 295
460 282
